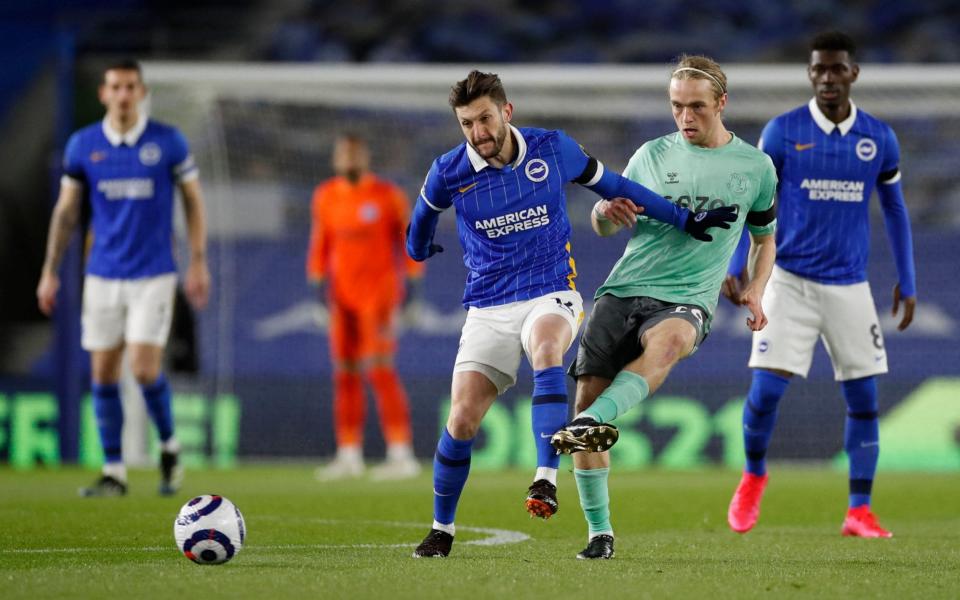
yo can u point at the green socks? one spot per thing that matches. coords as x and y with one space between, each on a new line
626 391
594 499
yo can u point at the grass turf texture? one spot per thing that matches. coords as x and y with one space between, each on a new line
672 539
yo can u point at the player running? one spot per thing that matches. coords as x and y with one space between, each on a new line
656 305
127 167
356 246
829 155
507 186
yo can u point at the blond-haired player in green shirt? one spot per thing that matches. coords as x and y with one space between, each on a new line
655 307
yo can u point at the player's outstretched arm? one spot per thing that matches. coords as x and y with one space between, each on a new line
610 216
64 220
763 254
197 283
589 172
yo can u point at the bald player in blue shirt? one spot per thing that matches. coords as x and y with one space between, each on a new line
830 156
127 167
506 184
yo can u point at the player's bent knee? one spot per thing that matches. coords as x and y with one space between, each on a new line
463 425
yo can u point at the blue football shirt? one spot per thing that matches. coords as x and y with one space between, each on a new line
129 180
512 222
827 172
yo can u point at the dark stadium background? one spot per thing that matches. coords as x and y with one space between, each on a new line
277 400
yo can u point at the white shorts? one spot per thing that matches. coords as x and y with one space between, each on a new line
800 310
493 338
136 311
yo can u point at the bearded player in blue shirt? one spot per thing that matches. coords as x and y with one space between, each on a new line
829 156
127 167
506 185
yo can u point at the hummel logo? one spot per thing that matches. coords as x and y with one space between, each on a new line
802 147
467 188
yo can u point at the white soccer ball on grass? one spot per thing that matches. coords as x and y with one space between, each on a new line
209 530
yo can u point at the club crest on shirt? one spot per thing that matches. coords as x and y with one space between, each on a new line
369 212
737 184
150 154
536 170
866 149
672 177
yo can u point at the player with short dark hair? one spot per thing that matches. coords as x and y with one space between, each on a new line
656 306
830 155
127 167
506 184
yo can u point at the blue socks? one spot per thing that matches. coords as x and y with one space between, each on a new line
548 415
861 438
451 466
157 397
759 417
109 411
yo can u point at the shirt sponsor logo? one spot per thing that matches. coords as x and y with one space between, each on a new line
135 188
840 190
150 154
521 220
802 147
866 149
537 170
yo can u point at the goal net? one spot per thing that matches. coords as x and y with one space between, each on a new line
263 135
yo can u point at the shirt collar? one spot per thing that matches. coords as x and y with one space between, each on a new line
480 163
826 124
130 137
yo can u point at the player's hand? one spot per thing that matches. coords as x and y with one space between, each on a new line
47 292
733 286
909 305
699 222
421 254
750 297
197 284
619 211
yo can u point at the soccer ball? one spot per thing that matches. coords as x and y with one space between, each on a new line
209 530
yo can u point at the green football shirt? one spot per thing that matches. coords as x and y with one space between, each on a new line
665 263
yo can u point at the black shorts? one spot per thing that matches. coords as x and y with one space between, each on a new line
612 334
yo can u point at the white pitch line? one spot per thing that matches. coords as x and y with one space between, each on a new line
495 537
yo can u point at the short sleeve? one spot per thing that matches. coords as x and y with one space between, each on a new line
183 166
73 170
771 142
891 153
764 202
573 158
434 191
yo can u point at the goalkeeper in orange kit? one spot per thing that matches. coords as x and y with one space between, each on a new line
357 257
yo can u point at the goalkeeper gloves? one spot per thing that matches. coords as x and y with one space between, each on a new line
699 222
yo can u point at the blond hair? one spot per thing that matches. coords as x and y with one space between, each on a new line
698 66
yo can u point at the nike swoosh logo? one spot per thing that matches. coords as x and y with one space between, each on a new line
441 495
546 436
802 147
868 444
467 188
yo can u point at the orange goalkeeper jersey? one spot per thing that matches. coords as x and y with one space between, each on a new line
357 241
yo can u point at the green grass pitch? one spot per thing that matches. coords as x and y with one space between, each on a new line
354 539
